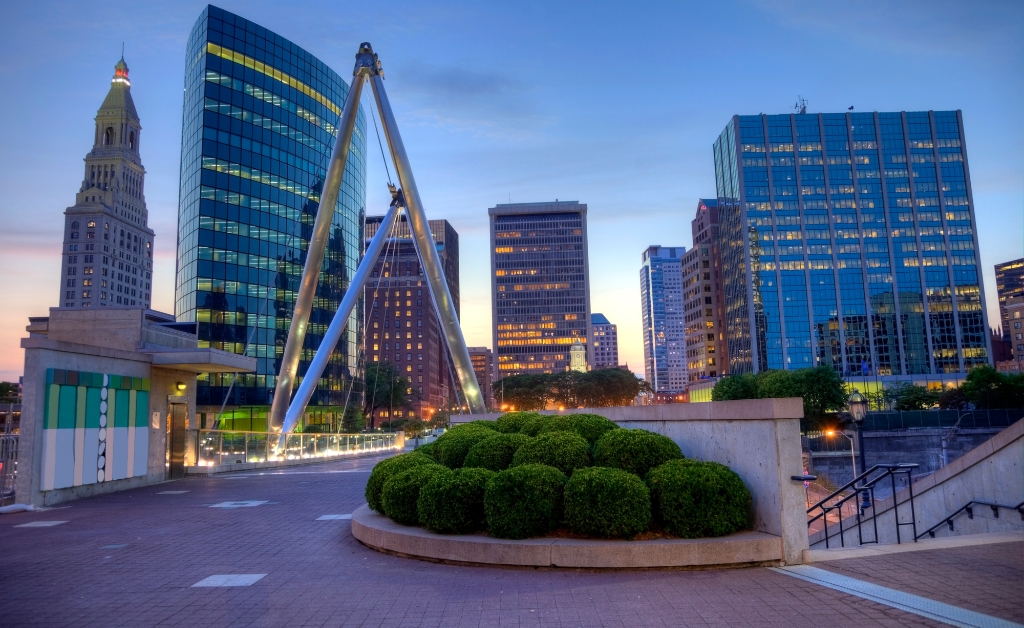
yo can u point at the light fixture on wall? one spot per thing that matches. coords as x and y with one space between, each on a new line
181 386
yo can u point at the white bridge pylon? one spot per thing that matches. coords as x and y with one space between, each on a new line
285 416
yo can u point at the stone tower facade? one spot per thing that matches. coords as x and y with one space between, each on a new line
108 247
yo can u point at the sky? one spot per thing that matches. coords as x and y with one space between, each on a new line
615 105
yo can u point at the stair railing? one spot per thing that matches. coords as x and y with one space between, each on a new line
863 486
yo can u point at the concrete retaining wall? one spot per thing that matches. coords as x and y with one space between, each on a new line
992 472
759 439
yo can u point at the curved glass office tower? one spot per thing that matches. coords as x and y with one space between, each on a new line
257 133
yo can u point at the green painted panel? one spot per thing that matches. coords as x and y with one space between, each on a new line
115 381
142 408
123 401
66 408
52 404
92 407
80 407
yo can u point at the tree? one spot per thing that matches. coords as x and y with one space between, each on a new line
953 399
440 419
353 421
778 384
8 390
385 388
733 387
915 398
823 390
415 428
987 388
522 392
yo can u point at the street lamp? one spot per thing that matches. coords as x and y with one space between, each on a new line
858 405
853 456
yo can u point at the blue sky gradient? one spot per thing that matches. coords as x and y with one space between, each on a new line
614 105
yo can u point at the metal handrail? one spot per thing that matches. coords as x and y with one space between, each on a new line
215 447
969 509
866 490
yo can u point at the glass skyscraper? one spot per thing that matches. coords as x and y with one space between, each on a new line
848 240
257 133
662 308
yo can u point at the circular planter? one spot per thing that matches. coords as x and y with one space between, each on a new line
736 550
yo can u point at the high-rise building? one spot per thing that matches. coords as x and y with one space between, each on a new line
661 304
108 245
604 337
703 306
402 326
483 366
540 284
1009 285
849 240
257 134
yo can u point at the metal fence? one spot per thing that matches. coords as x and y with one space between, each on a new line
216 447
879 421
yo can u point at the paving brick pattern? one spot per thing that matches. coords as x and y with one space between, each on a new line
318 575
984 578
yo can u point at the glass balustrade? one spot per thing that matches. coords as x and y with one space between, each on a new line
217 447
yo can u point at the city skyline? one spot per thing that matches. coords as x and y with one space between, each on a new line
487 109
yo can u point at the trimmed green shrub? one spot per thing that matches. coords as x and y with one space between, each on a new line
453 503
491 425
636 451
495 453
512 422
589 426
533 426
401 492
524 501
386 469
607 502
451 448
694 499
566 451
427 449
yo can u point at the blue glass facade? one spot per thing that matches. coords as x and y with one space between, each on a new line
257 133
849 240
664 317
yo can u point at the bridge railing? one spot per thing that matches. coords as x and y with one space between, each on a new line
217 447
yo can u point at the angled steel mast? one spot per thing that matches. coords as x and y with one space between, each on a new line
284 415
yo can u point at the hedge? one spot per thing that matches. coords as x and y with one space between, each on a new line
451 448
386 469
566 451
589 426
695 499
427 449
512 422
453 503
401 492
525 501
534 425
491 425
634 450
495 453
607 503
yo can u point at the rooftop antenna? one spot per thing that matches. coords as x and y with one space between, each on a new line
122 51
801 105
850 108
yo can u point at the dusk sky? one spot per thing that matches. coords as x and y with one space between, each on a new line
612 104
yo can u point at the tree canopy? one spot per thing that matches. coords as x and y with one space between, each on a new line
987 388
821 388
570 389
8 390
385 388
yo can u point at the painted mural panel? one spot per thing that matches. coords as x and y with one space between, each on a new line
94 428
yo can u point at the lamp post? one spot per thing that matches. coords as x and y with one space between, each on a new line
853 455
858 405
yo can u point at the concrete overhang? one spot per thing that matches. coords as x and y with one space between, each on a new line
202 360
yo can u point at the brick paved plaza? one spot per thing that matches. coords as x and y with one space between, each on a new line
133 558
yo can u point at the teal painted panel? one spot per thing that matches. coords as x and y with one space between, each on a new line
121 411
92 407
142 409
67 407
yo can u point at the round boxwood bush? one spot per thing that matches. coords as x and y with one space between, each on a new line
636 451
427 449
495 453
451 448
589 426
401 492
512 422
695 499
386 469
524 501
491 425
566 451
453 503
607 502
533 426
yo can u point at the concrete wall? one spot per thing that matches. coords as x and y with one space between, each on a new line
759 439
993 472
